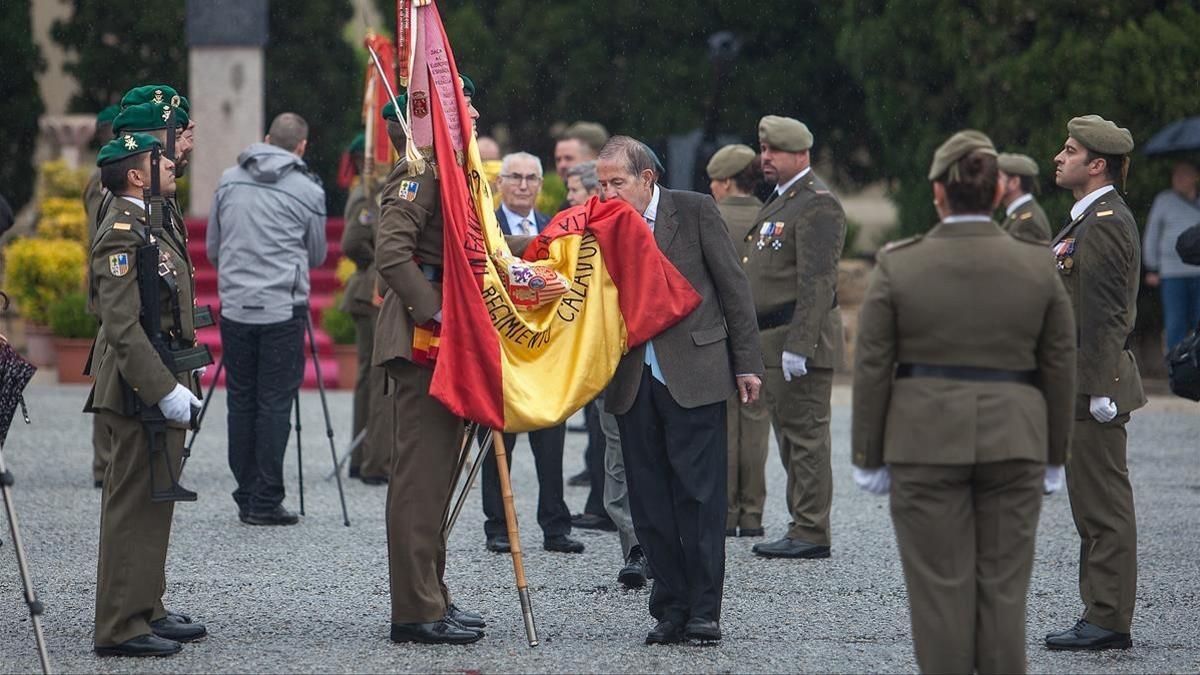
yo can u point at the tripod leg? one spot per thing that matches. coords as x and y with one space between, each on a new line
312 345
31 601
299 454
485 446
464 451
187 451
514 537
341 461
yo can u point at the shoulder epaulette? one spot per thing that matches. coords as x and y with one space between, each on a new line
899 244
1027 239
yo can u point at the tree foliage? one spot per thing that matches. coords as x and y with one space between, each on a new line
20 101
116 44
1017 70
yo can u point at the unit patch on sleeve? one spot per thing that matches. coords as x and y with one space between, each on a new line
408 189
118 264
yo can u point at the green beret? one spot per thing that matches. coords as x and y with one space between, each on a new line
955 148
154 93
358 144
148 117
126 145
591 134
784 133
107 115
389 110
1099 135
729 161
1017 165
467 84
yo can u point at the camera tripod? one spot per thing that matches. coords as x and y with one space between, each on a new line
35 605
312 348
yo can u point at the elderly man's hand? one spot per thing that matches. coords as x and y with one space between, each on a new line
748 388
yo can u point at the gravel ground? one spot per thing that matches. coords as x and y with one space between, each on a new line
314 598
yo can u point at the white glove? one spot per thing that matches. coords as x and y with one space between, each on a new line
438 317
876 481
199 372
177 405
1103 409
794 365
1056 475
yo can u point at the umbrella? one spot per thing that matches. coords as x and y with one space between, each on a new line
15 374
1178 136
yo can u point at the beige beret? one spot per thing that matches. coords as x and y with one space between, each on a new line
784 133
589 133
729 161
1017 165
1099 135
955 148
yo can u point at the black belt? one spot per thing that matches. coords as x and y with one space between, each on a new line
966 373
783 316
432 273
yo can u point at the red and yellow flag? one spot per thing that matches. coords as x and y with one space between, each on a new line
512 363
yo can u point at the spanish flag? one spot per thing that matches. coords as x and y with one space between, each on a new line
525 343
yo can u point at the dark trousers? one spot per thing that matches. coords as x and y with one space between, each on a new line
675 469
593 461
264 366
552 513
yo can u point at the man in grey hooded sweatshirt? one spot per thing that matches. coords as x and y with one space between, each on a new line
265 231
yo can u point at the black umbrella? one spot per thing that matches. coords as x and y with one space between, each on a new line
15 374
1179 136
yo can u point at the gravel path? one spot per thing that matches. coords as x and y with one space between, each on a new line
314 598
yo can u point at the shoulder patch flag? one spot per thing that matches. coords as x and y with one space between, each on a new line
408 189
118 264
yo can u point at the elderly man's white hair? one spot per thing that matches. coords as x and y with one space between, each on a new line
512 156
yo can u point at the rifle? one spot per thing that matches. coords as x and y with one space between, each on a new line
178 357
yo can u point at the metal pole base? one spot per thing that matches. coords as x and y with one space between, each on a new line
527 614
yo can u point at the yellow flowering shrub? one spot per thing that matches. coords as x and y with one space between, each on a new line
59 180
62 218
40 272
345 268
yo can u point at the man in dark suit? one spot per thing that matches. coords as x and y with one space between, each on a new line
669 398
520 181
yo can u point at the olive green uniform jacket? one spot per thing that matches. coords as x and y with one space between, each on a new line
1029 221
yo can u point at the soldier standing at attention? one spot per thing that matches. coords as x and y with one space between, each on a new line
791 255
93 197
132 377
1022 214
962 402
426 436
1098 255
734 175
372 458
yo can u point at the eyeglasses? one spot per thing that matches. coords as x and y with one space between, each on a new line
517 179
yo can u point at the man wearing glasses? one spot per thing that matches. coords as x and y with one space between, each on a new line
520 183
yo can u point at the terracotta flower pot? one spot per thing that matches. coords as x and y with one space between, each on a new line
347 364
72 354
39 345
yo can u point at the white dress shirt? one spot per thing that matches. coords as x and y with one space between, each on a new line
1016 204
518 224
780 189
1083 204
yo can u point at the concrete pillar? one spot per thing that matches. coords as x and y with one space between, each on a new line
225 88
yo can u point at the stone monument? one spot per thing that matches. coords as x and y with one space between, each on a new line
225 82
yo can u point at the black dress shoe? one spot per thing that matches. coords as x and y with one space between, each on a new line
437 633
1086 636
561 543
581 479
374 480
702 630
275 516
498 543
142 645
667 632
98 484
464 618
751 532
791 548
591 521
1064 631
354 471
633 574
172 628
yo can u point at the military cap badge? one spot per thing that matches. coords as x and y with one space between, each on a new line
175 101
158 96
130 142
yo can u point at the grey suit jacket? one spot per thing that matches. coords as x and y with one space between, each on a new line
699 355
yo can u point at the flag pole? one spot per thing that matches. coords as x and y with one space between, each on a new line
514 536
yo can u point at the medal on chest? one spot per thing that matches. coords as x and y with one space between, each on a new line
770 234
1064 255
